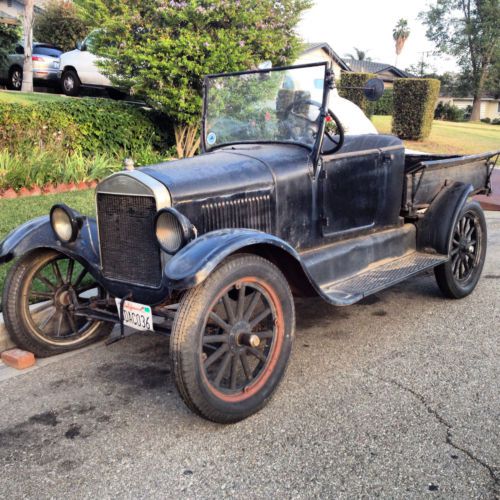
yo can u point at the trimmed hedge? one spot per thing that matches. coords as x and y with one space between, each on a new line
87 126
385 105
414 103
357 96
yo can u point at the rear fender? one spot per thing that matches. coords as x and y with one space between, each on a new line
435 229
194 263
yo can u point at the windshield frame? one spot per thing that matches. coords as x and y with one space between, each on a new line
322 112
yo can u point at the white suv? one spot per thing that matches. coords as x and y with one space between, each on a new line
78 69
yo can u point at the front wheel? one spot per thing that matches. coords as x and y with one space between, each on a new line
38 299
458 277
232 338
15 80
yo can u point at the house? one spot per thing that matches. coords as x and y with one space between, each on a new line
11 11
490 107
317 52
386 72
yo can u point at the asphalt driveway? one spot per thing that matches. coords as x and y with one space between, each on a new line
396 397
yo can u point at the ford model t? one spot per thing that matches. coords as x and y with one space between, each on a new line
211 250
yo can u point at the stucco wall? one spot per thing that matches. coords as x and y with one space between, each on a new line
319 55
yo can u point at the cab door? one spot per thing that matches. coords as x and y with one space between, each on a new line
361 190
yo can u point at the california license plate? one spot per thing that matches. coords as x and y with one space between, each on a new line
137 316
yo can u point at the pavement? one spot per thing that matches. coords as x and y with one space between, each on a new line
395 397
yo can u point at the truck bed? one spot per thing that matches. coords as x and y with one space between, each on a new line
427 174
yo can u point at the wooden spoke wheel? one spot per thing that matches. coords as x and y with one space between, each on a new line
459 276
40 294
232 338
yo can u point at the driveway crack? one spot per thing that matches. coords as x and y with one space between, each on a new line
449 436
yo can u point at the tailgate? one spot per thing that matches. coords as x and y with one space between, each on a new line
426 179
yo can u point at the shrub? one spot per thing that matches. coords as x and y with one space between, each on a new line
86 126
495 121
357 95
486 120
414 102
449 112
385 105
60 25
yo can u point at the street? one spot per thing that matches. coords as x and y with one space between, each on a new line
397 397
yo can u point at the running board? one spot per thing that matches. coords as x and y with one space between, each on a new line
378 277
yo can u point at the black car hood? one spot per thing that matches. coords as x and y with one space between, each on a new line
242 168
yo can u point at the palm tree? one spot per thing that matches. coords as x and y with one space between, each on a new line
400 33
361 55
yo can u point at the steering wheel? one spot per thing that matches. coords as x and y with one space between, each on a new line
338 143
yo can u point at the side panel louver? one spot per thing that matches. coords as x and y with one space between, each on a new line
251 212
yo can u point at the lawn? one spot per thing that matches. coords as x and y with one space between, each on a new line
29 98
451 137
15 212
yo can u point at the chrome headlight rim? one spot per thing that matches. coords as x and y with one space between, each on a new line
185 230
73 221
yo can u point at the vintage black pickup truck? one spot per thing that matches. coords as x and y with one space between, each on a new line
211 250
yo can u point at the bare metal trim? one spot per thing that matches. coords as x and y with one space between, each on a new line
158 190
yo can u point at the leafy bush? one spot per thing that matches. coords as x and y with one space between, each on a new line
385 105
60 25
9 35
86 126
414 102
495 121
486 120
449 112
357 96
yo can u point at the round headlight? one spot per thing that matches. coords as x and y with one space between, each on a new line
64 223
173 230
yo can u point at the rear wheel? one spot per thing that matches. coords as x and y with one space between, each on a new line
458 277
39 293
70 83
15 80
232 338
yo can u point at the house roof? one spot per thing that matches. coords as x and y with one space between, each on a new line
323 45
375 67
7 18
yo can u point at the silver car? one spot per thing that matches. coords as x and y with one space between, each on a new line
45 66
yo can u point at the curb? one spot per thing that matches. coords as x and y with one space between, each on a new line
5 341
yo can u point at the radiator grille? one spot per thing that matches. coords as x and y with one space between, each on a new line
129 251
252 212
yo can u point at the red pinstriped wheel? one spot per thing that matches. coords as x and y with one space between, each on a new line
232 338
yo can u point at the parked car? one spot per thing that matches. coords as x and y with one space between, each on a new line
45 66
79 69
211 250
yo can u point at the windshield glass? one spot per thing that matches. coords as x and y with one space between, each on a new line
266 106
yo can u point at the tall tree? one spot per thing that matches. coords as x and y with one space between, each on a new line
60 25
470 31
400 34
28 45
359 55
161 49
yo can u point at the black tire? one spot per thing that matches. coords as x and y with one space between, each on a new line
251 369
458 277
28 284
70 83
15 80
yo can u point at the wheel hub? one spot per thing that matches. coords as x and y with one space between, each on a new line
241 335
63 297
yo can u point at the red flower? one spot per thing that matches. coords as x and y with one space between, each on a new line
328 118
267 116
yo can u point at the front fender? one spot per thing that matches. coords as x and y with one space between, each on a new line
38 233
194 263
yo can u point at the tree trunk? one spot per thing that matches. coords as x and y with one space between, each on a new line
28 46
187 140
476 109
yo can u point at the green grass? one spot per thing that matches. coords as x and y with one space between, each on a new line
451 137
28 97
17 211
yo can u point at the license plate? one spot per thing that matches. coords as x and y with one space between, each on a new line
137 316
